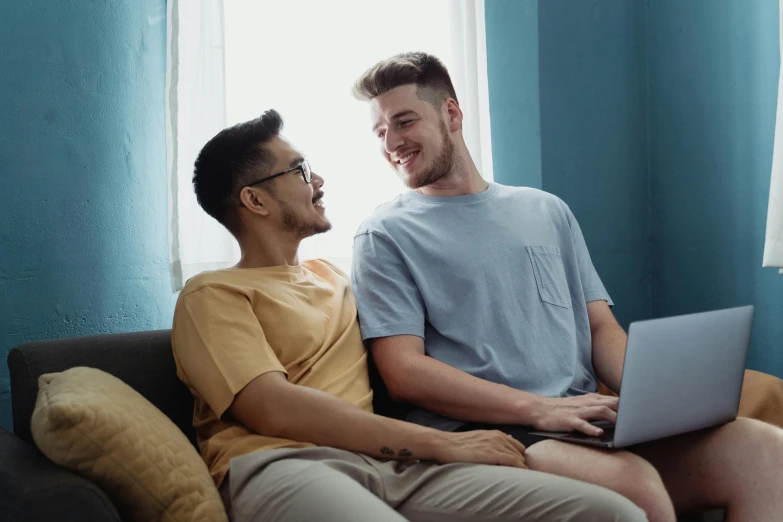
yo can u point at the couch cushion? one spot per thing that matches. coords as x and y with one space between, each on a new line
143 360
92 422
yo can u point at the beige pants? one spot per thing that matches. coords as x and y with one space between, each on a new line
332 485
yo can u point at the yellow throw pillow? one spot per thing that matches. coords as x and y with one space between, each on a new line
95 424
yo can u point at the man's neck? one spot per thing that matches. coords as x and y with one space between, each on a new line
260 249
463 179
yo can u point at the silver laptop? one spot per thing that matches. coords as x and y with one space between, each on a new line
680 374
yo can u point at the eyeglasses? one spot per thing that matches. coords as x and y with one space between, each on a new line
307 174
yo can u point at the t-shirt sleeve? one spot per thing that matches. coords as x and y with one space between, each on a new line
387 296
592 286
220 345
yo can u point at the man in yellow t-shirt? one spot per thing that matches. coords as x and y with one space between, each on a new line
272 352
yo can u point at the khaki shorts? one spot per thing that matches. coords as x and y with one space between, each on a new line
332 485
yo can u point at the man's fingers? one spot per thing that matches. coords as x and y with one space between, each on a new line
601 413
513 449
516 444
600 400
603 399
517 461
510 442
594 399
586 428
524 462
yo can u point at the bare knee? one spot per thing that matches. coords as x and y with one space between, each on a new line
620 471
637 480
746 446
744 430
757 450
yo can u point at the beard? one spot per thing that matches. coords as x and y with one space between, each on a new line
298 227
441 166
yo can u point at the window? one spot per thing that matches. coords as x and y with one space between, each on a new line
301 58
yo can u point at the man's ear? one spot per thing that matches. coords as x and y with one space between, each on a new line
454 114
255 200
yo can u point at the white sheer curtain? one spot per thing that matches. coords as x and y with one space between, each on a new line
301 58
773 249
195 111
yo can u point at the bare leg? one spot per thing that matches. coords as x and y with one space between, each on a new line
738 466
620 471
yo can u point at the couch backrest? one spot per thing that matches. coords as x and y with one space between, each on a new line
143 360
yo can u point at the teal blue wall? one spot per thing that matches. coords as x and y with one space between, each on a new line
713 92
83 244
512 73
584 92
656 120
593 104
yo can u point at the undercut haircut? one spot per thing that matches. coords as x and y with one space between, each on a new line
234 157
424 70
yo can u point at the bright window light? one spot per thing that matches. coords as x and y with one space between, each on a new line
301 58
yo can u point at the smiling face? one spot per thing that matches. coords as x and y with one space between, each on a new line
413 136
294 205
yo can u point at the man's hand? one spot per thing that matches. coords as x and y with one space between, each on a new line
575 413
480 447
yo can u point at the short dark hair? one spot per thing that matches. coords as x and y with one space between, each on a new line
230 160
423 69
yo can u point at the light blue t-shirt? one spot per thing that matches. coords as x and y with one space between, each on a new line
497 283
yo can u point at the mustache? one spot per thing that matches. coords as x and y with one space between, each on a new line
318 195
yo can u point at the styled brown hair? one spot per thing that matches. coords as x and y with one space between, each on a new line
423 69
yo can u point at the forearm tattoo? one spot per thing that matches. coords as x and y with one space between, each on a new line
390 452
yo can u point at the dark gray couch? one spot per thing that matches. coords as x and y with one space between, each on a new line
32 488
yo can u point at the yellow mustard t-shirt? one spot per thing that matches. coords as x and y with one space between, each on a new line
232 325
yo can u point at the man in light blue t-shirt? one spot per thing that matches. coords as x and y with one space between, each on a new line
502 302
483 309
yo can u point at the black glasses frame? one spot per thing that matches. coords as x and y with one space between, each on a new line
304 167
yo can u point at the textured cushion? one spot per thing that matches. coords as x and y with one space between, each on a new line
94 423
142 360
762 398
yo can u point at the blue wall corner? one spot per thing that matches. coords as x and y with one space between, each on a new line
83 155
655 123
713 87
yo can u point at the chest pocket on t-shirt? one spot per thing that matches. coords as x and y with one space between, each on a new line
550 275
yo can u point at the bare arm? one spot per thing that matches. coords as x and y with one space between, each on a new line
411 376
609 342
272 406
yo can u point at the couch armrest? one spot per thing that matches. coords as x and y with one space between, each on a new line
34 488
